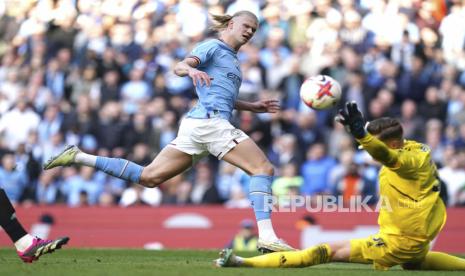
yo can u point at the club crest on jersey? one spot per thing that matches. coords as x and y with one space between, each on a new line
378 241
424 148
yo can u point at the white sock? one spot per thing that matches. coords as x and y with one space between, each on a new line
85 159
238 260
23 243
265 230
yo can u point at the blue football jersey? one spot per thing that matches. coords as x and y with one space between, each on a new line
220 62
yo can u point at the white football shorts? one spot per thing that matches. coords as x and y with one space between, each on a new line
216 136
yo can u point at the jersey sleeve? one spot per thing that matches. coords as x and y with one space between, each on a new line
403 162
204 52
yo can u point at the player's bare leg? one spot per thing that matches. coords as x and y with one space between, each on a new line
250 158
168 163
340 251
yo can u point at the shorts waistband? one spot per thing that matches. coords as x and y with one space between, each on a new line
213 113
217 114
210 115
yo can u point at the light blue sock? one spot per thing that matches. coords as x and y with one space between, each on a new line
260 196
120 168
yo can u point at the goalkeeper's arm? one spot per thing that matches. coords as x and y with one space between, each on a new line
379 150
352 118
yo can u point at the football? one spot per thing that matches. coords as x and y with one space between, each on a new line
320 92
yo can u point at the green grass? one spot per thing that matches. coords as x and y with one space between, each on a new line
182 262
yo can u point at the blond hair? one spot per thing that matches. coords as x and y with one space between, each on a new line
222 21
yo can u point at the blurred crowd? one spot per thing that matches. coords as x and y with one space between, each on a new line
98 74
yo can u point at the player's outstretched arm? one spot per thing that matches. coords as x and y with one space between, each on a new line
263 106
353 120
187 67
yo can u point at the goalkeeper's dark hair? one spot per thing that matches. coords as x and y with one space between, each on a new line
386 128
222 21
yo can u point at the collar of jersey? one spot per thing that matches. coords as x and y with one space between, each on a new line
225 45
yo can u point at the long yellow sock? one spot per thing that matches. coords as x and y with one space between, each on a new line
442 261
312 256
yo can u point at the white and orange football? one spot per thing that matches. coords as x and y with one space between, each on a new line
320 92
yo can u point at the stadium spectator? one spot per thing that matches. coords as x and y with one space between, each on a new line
10 88
227 178
288 181
315 170
136 90
50 123
308 130
453 174
204 190
460 197
16 124
47 188
138 131
338 141
110 89
52 146
284 150
433 106
81 188
85 82
139 195
245 239
435 140
352 184
345 159
412 123
176 191
13 181
253 74
237 198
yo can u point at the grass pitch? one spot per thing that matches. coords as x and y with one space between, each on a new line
169 262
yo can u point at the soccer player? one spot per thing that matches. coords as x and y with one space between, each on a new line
29 248
408 182
216 75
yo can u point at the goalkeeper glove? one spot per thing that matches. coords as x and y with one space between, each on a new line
352 119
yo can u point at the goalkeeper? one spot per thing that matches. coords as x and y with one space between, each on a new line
408 181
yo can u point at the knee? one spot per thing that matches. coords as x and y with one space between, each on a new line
338 255
151 178
267 169
150 183
264 167
340 251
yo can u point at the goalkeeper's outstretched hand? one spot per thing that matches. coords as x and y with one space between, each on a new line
352 118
